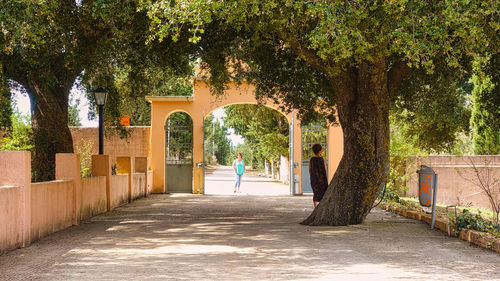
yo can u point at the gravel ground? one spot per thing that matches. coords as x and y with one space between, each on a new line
190 237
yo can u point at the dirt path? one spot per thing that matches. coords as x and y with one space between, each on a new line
189 237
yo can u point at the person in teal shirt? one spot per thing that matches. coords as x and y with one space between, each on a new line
239 169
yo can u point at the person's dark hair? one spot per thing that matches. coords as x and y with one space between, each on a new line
239 153
316 148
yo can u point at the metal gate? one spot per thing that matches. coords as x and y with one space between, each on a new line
311 134
179 153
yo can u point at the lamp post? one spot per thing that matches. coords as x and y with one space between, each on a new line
100 96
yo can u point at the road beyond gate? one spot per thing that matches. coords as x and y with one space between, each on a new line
192 237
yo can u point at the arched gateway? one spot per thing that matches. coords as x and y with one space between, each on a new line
202 103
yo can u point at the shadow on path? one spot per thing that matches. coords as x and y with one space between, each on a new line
190 237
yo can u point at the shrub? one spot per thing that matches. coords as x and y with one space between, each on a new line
468 220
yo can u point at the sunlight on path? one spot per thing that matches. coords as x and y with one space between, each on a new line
220 181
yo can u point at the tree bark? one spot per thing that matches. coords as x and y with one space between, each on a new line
49 120
363 111
5 97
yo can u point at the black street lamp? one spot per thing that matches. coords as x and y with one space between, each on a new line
100 96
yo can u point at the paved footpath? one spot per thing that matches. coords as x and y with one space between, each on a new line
220 181
190 237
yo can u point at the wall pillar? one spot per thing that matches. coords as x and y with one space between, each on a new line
125 165
158 119
197 152
68 168
15 170
102 167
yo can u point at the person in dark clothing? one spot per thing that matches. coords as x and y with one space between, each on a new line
317 172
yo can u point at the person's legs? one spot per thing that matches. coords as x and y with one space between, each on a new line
237 183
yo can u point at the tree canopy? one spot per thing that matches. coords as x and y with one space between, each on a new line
346 59
485 119
350 60
46 45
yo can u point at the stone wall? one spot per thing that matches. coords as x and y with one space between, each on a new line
137 144
457 181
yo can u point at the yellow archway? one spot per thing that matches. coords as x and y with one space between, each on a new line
201 103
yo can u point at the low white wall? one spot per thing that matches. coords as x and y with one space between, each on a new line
149 182
10 218
118 190
93 197
51 207
30 211
138 185
284 170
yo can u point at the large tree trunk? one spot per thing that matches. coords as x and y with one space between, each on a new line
5 97
51 135
363 111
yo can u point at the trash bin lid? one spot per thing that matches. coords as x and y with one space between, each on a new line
425 170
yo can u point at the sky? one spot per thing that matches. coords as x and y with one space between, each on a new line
23 105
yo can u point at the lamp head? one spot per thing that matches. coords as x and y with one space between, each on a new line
100 96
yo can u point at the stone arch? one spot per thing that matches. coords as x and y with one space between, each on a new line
201 103
173 112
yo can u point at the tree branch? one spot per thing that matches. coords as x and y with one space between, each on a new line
11 69
302 51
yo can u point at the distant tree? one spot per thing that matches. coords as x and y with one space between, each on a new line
73 113
485 121
247 152
430 109
216 141
264 130
179 138
134 82
19 137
